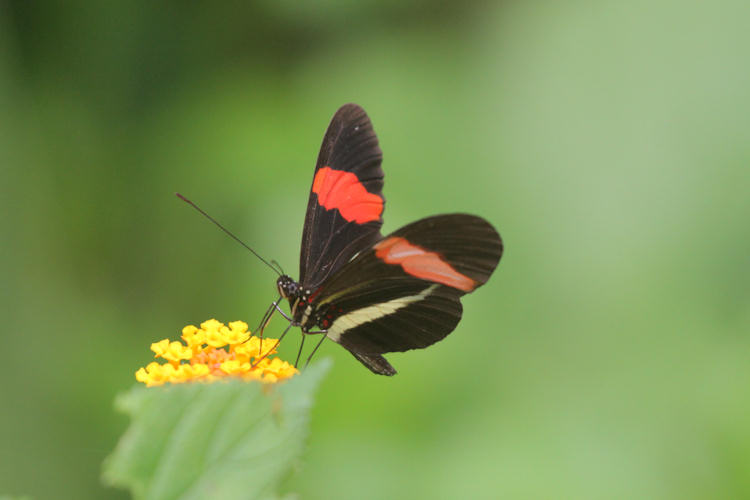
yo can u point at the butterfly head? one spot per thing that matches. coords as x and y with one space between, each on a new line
299 301
287 287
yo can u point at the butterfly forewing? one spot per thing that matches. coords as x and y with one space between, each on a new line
345 209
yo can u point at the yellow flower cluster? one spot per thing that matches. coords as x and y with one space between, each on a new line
213 352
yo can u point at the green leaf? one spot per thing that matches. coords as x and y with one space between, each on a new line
222 440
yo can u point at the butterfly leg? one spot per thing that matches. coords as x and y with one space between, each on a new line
299 353
323 337
281 311
267 318
271 349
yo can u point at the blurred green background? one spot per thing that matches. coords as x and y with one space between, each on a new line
608 142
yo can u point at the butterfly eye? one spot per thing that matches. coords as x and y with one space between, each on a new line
284 285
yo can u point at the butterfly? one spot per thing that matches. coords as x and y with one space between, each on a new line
370 293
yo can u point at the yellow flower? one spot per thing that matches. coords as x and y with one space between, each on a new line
171 351
237 333
251 348
203 356
194 337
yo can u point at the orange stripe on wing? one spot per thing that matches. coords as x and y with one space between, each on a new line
421 263
344 192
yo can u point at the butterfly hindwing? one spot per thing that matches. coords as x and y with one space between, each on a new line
376 363
345 208
403 292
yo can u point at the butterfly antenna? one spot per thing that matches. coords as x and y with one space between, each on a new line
226 231
273 261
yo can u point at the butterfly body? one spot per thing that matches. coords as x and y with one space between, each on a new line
370 293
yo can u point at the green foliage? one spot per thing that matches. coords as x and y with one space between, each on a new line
223 440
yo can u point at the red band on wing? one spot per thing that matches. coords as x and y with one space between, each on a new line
343 191
421 263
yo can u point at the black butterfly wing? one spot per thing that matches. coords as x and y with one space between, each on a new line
403 292
345 209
